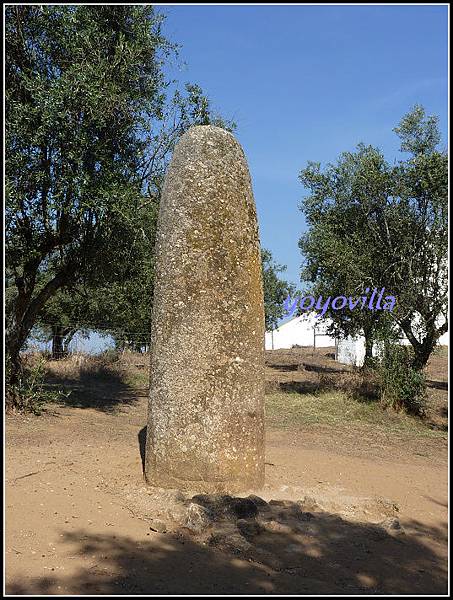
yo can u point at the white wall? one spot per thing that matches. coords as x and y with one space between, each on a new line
351 350
444 339
299 331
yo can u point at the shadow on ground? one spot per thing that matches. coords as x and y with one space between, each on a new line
358 388
102 388
334 557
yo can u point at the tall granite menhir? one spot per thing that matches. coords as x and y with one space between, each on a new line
206 415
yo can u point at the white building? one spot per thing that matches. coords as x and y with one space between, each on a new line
310 331
351 350
306 330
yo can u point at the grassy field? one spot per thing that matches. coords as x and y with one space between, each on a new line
303 389
290 409
310 388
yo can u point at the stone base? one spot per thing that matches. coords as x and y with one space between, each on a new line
205 487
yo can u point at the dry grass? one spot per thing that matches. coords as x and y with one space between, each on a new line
75 365
317 374
441 352
336 408
131 367
303 390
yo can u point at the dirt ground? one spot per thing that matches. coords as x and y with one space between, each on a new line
81 521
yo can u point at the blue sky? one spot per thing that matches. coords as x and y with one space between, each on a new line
92 343
306 83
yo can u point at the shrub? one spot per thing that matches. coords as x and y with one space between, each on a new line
361 384
30 393
402 387
110 356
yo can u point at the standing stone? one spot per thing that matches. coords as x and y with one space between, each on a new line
206 414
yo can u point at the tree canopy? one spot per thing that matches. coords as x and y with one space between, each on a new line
373 224
275 289
90 124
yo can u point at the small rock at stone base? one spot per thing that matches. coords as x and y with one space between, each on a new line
219 505
158 526
234 542
197 518
277 527
308 503
392 525
305 516
259 502
248 527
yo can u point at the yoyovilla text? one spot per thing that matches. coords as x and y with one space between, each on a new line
377 301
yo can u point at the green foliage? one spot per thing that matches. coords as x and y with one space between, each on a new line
83 84
418 132
30 393
91 123
402 386
276 290
80 81
375 225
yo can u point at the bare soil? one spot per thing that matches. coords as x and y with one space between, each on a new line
81 521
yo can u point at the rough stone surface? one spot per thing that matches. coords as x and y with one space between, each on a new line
392 525
197 518
259 502
206 422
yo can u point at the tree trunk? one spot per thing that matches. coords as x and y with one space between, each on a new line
58 334
24 317
61 338
13 362
423 349
70 334
369 339
422 353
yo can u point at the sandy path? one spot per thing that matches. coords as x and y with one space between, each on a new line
73 525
